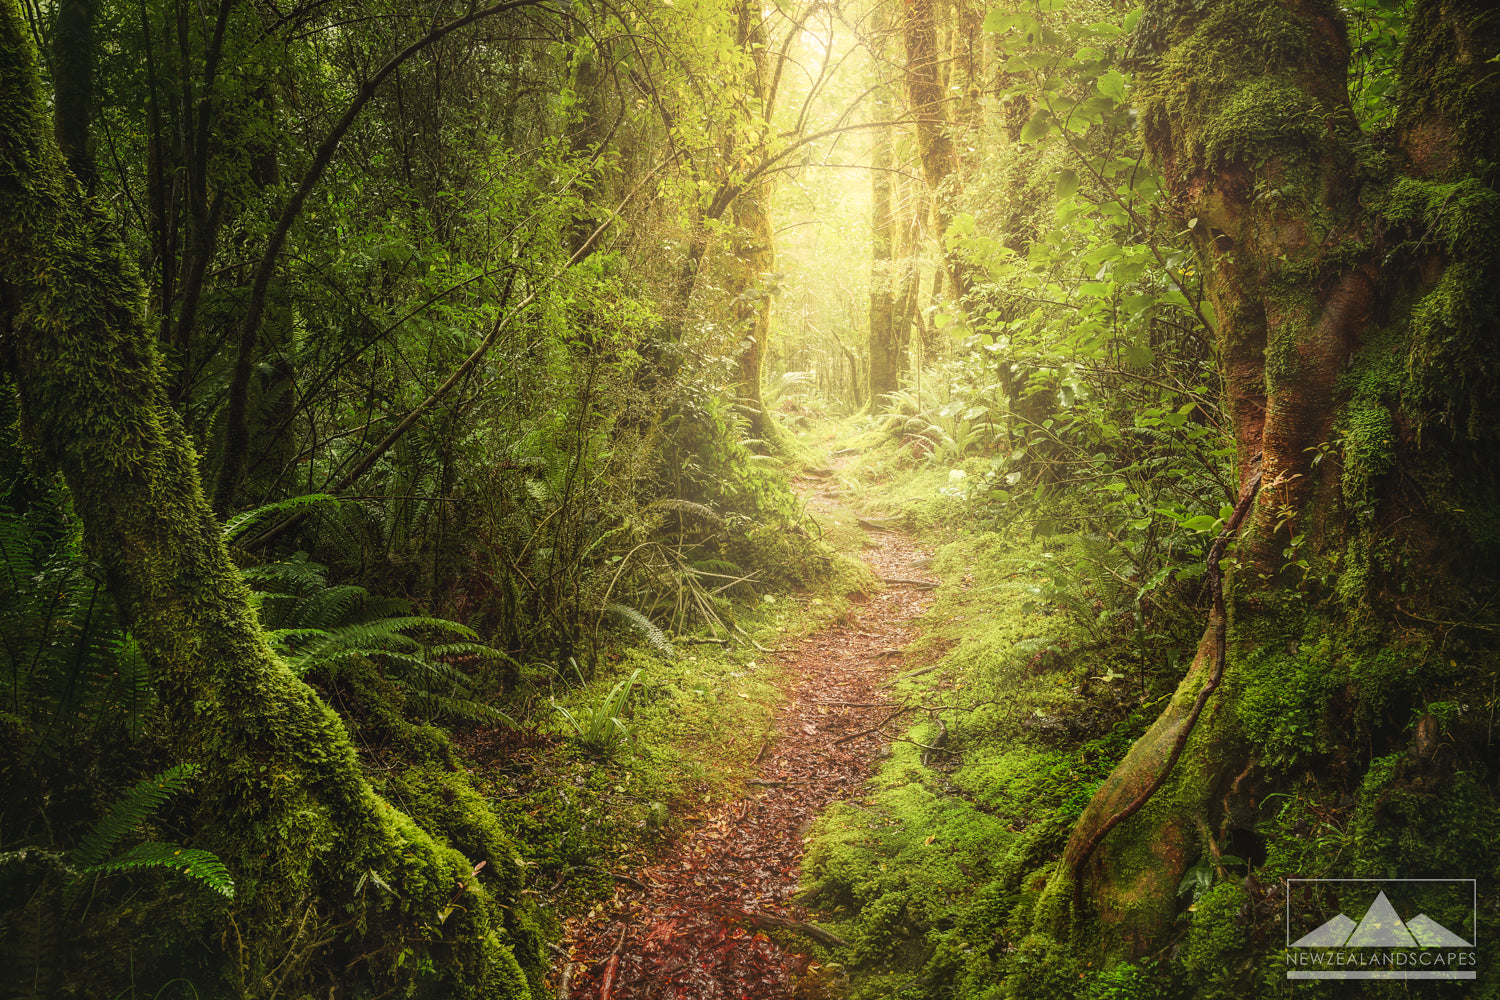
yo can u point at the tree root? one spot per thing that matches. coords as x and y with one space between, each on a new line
1220 625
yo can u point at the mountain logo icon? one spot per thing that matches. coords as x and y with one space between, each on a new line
1381 927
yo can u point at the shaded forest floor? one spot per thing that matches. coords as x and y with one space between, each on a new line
716 914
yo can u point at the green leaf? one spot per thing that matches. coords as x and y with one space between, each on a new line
1112 85
1138 357
1067 184
1039 125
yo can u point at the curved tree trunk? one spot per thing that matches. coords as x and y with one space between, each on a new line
1355 307
283 801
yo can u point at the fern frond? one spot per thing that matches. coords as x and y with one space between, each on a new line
457 649
327 607
689 507
425 622
296 575
464 709
202 866
128 813
649 629
241 523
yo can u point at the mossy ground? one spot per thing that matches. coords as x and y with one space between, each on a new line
932 876
938 876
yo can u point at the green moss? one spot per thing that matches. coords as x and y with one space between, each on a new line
1042 968
1228 92
1219 953
1281 694
1450 355
1447 101
1263 114
1408 824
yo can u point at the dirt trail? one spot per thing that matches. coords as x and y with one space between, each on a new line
693 924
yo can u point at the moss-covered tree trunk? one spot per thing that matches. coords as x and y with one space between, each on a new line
755 259
932 121
282 800
752 284
1354 282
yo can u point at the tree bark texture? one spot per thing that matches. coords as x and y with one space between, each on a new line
73 86
885 354
283 801
928 99
1352 285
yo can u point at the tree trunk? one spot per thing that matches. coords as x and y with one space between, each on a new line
755 259
283 801
755 252
929 111
73 86
1355 308
885 352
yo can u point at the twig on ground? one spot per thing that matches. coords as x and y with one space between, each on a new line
628 880
607 985
818 934
911 674
873 729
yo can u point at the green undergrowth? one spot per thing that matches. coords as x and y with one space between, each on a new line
933 874
682 728
1029 686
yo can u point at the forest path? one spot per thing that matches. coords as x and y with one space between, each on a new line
693 924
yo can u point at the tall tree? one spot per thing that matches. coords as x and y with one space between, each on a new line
885 351
1354 282
932 121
